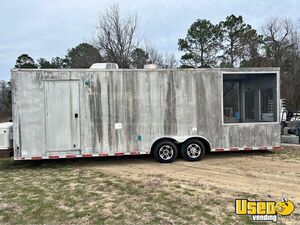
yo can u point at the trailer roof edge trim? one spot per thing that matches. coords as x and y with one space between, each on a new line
224 70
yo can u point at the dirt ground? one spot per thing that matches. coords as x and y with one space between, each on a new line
138 190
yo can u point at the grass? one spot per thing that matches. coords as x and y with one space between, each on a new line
65 193
74 192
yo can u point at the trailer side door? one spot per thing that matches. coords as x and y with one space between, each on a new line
62 115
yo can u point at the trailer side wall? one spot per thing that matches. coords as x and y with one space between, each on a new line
77 112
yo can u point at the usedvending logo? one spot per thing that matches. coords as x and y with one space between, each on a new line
264 210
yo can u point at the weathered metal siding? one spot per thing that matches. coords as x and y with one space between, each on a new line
28 113
251 134
148 103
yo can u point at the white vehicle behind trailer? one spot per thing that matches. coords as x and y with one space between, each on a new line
6 136
113 112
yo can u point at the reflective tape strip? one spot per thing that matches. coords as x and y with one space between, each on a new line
248 148
36 158
119 153
87 155
53 156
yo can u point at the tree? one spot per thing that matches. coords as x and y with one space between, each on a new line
59 63
116 36
233 30
252 45
56 63
201 44
5 101
139 57
44 64
281 43
83 56
170 61
277 35
154 56
25 61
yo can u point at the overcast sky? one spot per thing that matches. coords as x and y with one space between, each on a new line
48 28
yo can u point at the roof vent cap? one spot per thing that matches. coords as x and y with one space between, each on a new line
150 66
104 66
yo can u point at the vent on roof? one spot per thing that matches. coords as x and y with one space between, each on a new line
104 66
150 66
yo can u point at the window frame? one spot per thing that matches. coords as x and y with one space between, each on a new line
277 90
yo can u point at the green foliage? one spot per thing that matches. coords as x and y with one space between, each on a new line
25 61
44 63
83 56
233 30
183 66
60 63
56 63
234 43
201 44
237 42
139 58
252 43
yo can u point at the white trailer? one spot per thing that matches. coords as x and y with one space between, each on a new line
114 112
6 136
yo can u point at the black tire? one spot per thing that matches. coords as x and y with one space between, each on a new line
198 150
165 151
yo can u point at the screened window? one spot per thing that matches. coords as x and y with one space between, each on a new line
249 98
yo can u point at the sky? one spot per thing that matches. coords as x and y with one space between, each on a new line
48 28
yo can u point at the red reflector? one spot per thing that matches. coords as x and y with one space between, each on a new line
219 149
234 149
277 148
53 156
119 153
247 148
36 158
87 155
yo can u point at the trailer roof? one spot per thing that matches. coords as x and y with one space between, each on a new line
226 70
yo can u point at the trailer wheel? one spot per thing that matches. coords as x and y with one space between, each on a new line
165 152
192 150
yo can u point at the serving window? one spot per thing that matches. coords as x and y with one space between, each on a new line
249 98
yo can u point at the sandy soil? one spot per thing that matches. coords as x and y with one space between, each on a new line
266 174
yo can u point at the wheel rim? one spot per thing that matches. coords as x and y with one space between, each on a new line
194 150
166 152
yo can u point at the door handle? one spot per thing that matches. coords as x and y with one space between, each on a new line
76 115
